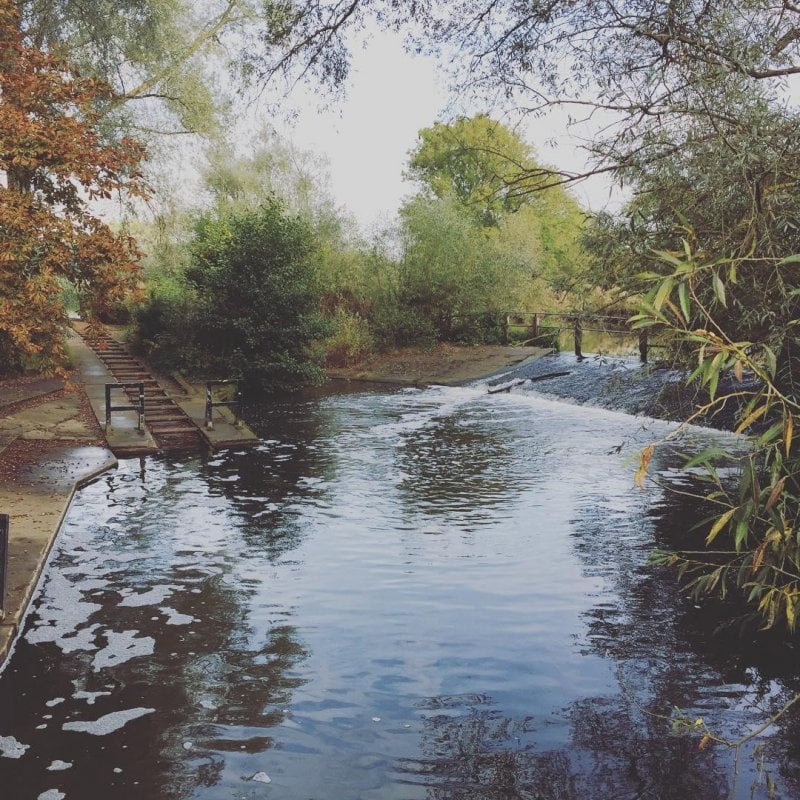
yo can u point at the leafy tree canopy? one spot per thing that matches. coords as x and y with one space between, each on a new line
478 161
255 297
54 162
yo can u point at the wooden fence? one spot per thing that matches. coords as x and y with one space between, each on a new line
543 333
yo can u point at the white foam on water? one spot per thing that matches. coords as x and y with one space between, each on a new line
261 777
156 595
89 697
11 748
51 794
444 401
122 646
175 617
59 766
54 702
108 723
60 616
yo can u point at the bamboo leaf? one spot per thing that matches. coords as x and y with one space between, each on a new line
704 457
712 384
740 537
788 433
644 462
758 557
670 258
683 299
777 489
663 293
771 434
719 289
771 361
719 525
752 417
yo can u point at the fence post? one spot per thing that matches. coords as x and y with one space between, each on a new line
643 346
504 329
238 409
209 408
141 408
578 339
4 533
535 327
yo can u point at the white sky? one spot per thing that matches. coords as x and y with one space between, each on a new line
391 95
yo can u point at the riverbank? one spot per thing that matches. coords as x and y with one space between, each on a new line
50 445
443 364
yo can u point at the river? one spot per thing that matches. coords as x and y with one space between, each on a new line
424 593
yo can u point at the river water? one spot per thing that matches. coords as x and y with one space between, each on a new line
434 593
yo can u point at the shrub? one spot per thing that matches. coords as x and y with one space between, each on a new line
351 340
248 306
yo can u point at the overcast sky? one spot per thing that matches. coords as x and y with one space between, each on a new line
390 97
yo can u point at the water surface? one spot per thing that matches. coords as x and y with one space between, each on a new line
433 594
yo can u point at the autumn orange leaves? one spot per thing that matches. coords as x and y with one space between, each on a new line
55 163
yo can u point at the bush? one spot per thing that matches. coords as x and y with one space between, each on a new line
249 306
351 340
454 275
400 326
164 326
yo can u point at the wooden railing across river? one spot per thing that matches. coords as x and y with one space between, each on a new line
543 333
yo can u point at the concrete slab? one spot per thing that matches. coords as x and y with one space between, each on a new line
17 391
36 501
224 433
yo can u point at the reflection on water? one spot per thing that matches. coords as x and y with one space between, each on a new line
422 594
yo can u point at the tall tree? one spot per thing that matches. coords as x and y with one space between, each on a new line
153 53
490 172
479 162
55 163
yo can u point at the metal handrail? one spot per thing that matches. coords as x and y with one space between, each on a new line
211 404
139 407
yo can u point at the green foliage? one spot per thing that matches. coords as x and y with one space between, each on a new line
754 526
351 339
452 273
478 161
249 305
164 324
